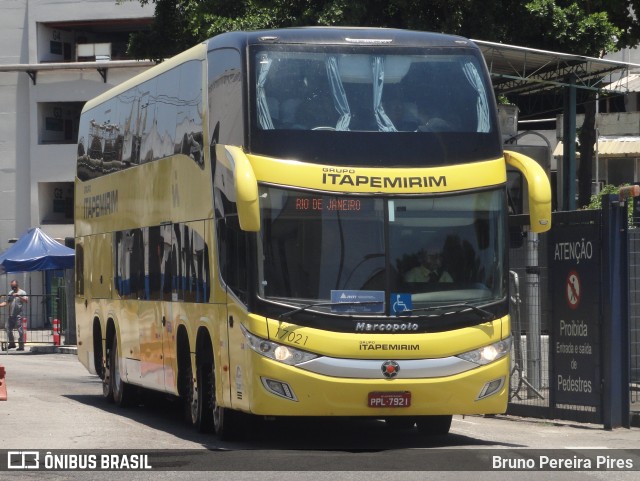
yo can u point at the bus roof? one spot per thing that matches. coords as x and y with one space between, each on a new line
196 52
338 36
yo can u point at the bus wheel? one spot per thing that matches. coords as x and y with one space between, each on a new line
190 396
205 399
227 423
107 391
123 393
434 425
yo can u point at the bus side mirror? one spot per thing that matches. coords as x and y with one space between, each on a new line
539 190
246 190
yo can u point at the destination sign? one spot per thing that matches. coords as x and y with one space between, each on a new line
327 203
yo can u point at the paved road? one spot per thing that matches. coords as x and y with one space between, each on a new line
53 403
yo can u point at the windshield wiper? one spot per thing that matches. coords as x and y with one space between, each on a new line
288 314
463 306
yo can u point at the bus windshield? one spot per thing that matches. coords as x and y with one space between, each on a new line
431 250
430 98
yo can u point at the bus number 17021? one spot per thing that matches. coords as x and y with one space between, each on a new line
292 337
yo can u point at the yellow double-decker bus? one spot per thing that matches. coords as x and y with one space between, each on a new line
301 222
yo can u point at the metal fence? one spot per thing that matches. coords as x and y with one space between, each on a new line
44 320
531 319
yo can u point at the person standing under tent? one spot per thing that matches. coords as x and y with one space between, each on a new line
15 300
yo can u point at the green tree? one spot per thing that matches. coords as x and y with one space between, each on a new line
595 202
591 27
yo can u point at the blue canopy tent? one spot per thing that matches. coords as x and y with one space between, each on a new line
36 251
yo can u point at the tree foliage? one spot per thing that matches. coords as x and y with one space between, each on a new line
584 27
591 27
595 202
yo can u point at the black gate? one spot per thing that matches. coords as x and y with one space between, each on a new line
634 320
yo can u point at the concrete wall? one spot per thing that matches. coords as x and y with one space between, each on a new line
24 162
619 123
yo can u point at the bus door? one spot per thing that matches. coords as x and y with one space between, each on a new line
166 256
239 376
232 258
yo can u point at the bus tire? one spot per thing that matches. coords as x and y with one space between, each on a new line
189 394
123 393
107 388
205 399
434 425
228 424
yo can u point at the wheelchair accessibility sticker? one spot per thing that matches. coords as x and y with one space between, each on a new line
400 303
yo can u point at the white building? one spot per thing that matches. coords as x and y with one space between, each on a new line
42 91
40 108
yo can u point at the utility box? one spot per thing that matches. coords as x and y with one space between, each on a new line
508 118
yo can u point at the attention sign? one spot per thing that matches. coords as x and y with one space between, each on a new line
574 276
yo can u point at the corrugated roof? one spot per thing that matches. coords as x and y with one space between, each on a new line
611 147
522 70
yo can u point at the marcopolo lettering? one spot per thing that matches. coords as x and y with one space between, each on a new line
386 326
337 178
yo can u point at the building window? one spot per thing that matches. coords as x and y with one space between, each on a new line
87 41
58 122
56 202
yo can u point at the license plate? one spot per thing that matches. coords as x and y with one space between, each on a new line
389 399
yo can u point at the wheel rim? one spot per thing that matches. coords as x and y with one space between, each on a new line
106 382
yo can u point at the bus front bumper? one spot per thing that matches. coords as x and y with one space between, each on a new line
278 389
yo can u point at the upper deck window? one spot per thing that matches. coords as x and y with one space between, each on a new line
371 92
437 98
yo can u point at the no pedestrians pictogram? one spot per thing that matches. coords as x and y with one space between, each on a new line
573 290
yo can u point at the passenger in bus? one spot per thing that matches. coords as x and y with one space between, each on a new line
430 270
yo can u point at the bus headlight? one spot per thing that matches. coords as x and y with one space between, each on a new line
278 352
487 354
